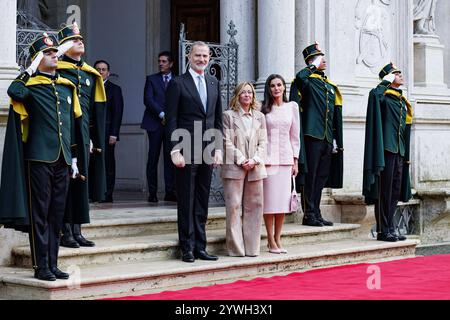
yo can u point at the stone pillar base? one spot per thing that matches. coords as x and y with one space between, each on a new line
355 211
434 221
429 63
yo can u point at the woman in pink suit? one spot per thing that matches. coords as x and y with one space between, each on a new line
245 140
283 149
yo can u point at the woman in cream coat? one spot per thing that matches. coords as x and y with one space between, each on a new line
245 139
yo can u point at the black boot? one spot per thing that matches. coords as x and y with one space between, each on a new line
67 239
310 220
44 274
59 274
82 241
386 237
324 222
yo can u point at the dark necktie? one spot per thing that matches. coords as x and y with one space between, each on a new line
166 81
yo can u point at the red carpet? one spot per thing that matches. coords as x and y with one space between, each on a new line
424 278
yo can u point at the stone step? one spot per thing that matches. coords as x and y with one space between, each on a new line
141 277
108 221
165 246
135 221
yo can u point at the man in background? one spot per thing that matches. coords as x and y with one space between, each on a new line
154 122
114 113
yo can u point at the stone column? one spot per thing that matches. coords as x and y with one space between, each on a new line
8 71
309 27
276 40
8 65
242 13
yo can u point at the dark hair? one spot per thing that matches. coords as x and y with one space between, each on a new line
102 61
167 54
268 99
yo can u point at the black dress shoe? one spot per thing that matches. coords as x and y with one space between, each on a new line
312 222
152 198
188 257
59 274
82 241
44 274
387 237
69 242
325 222
203 255
107 200
401 237
171 197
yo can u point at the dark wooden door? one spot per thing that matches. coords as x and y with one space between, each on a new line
201 19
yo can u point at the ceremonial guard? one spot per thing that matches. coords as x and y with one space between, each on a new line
39 149
321 155
91 92
386 178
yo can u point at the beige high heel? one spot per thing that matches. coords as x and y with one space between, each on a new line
274 251
282 250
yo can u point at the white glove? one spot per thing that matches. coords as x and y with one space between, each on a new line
317 61
62 49
335 147
75 171
390 78
35 64
91 147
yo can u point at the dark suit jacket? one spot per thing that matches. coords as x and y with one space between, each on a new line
114 109
184 108
154 101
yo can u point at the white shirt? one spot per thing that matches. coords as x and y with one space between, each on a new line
247 119
195 76
169 77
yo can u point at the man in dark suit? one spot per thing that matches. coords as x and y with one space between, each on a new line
194 111
154 122
114 113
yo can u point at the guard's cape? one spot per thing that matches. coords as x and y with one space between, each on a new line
336 176
374 162
14 192
77 210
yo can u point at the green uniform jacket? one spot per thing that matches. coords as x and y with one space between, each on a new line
34 117
388 128
91 92
320 103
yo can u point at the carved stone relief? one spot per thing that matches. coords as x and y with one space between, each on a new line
373 24
424 17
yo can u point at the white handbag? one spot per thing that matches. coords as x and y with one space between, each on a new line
295 201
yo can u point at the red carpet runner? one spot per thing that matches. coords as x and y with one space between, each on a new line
424 278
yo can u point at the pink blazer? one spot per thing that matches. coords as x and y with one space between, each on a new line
283 132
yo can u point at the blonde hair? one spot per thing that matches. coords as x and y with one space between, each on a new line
234 104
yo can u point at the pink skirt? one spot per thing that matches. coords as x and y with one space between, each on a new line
277 190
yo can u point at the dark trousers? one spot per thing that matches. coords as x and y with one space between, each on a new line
390 188
49 185
193 205
110 164
318 157
156 139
